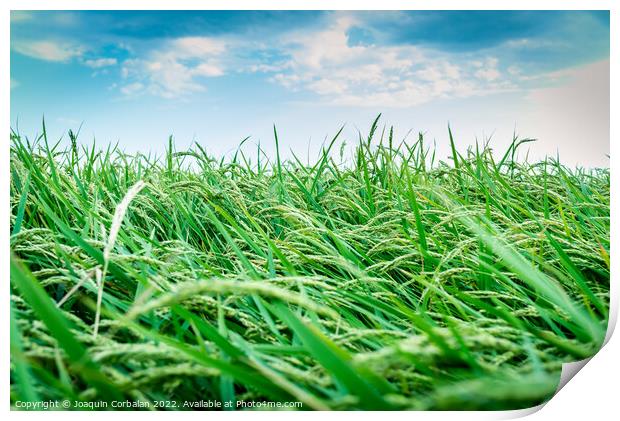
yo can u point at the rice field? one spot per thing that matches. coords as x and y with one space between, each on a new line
383 279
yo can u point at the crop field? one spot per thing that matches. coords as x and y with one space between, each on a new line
381 279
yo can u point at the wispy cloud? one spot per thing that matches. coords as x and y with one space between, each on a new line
488 70
48 50
132 88
326 63
391 59
322 61
175 69
101 62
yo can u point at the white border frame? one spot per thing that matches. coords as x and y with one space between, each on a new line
591 394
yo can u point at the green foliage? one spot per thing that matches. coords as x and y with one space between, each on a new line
388 282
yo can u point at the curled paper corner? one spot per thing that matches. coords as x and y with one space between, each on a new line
612 318
520 413
569 370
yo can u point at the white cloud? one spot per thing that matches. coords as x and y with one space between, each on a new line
174 70
514 70
529 43
100 62
132 88
321 61
196 47
488 71
48 50
325 63
266 68
489 74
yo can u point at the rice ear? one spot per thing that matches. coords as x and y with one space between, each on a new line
117 220
119 214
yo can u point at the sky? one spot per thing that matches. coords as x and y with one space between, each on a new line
216 77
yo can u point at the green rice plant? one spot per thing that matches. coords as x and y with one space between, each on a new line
390 280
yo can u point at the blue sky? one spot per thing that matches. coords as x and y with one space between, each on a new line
137 77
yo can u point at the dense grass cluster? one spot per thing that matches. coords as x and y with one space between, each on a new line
384 281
